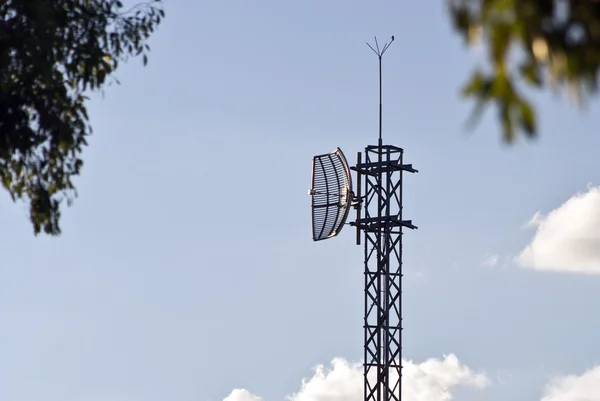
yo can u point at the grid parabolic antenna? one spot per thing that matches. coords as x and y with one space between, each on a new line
331 194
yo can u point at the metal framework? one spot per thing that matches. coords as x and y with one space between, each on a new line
381 228
331 194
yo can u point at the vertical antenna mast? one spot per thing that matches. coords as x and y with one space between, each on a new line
379 52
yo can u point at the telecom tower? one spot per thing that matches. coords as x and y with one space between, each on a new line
379 222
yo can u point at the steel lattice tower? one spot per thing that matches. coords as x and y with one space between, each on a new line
381 228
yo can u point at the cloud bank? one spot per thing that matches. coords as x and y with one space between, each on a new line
568 238
432 380
585 387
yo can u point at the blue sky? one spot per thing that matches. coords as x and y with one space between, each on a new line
186 268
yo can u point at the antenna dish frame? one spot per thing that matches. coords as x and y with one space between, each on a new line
331 192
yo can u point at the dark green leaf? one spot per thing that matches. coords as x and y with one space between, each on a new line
528 123
531 74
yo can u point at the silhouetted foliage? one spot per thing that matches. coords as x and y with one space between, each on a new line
51 53
542 43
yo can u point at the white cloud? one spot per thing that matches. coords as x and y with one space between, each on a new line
490 260
585 387
535 221
343 381
568 239
242 395
432 380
